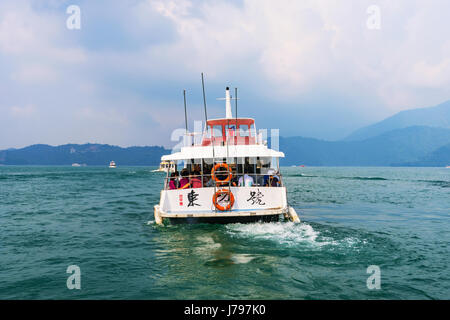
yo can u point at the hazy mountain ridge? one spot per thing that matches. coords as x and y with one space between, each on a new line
437 116
417 145
409 146
391 148
90 154
437 158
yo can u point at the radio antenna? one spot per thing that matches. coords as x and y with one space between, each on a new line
204 97
185 112
212 133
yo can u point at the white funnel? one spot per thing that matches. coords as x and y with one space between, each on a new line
228 113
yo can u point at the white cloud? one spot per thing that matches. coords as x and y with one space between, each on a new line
35 42
424 74
23 111
297 46
35 73
110 116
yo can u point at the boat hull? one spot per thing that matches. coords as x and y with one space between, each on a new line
252 204
225 220
213 217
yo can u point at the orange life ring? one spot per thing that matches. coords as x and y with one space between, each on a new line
218 206
229 176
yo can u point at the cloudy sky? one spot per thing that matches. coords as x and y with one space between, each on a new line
313 68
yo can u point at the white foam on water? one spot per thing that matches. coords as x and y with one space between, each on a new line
282 232
208 240
210 248
206 244
286 233
242 258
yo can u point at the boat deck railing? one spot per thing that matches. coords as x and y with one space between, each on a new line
206 181
202 138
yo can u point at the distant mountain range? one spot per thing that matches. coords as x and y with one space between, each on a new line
389 149
437 116
419 137
437 158
89 154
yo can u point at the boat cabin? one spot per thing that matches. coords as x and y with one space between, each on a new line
226 172
239 131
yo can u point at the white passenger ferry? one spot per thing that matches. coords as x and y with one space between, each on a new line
225 174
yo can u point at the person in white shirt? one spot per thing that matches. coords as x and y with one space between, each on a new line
246 181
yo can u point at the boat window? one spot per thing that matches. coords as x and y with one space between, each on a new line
217 131
208 161
230 130
274 163
231 162
243 130
240 165
208 132
252 130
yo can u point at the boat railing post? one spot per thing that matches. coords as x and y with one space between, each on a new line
201 171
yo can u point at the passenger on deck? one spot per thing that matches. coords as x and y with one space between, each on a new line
184 181
246 180
196 167
195 180
208 181
271 180
234 180
174 183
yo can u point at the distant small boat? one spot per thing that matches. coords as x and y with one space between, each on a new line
448 167
76 165
112 164
302 165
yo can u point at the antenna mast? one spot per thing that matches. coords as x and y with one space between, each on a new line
212 134
204 97
185 112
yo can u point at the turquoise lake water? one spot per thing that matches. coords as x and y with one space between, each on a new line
101 220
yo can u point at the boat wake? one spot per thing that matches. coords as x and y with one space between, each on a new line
289 234
216 255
